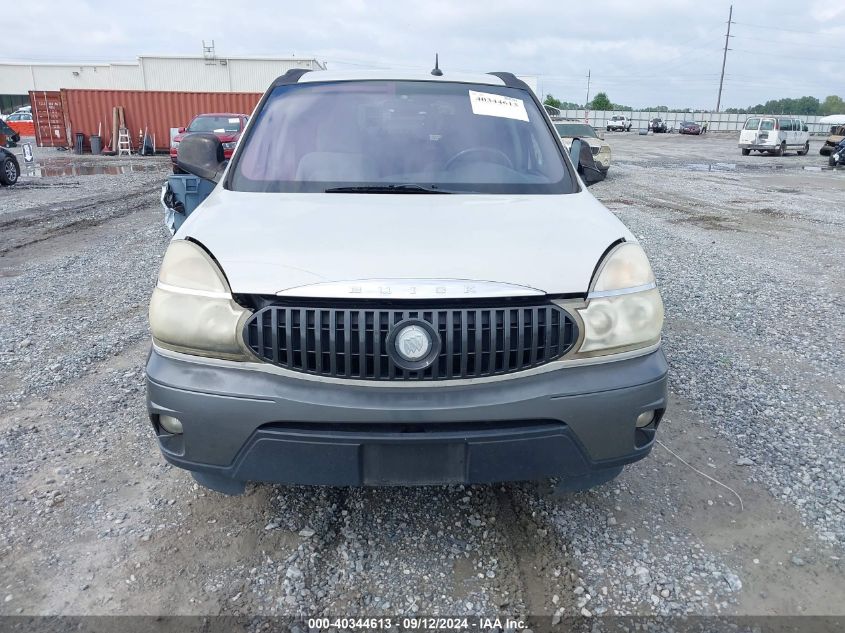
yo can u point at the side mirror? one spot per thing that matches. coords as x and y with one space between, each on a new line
806 129
582 157
201 154
181 130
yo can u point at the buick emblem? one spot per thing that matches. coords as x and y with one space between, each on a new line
412 343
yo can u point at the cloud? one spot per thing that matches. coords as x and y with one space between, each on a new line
642 53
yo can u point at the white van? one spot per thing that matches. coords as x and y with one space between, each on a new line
775 135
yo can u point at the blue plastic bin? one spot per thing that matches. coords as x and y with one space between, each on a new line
189 190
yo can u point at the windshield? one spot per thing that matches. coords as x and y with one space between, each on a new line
448 136
575 129
215 124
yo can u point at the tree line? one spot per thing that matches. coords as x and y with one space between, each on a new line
808 106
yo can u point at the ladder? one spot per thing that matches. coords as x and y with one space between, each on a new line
124 145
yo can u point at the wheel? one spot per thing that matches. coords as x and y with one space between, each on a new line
781 149
745 151
825 150
608 128
177 170
806 150
9 172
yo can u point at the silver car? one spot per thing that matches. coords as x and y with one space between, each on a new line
401 278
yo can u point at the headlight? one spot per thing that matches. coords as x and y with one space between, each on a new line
230 145
192 309
624 309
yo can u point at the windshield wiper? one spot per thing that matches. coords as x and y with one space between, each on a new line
406 188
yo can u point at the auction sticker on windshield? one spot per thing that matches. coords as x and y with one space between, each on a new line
488 104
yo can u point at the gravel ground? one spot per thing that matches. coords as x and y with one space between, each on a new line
749 262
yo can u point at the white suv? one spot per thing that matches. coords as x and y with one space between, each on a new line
402 279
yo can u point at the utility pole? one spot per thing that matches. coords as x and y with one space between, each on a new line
588 89
587 104
724 58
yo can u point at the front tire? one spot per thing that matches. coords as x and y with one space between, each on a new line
781 149
745 151
9 172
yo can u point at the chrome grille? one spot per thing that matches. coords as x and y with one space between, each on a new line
352 342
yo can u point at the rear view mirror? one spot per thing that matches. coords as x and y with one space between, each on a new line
201 154
582 157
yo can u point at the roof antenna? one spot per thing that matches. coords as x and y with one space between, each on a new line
436 70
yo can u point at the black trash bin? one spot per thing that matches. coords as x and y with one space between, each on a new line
80 141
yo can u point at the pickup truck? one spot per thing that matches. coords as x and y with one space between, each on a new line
619 124
227 127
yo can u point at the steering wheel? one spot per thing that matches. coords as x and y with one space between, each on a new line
504 159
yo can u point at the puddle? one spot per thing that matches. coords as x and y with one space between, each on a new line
711 167
55 169
735 167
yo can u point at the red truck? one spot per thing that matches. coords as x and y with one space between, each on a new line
227 126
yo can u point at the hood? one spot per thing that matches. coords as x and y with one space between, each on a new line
268 243
589 140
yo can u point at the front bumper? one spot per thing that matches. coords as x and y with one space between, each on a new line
244 424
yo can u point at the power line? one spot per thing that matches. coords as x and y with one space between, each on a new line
769 54
780 28
769 41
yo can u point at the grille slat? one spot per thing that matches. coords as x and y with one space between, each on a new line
352 343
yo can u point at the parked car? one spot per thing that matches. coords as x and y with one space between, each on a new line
570 130
837 133
689 127
331 314
23 109
837 156
658 126
227 127
21 122
8 136
619 124
774 135
10 169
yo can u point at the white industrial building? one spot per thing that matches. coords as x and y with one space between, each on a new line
152 72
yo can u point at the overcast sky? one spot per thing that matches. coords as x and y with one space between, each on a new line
642 53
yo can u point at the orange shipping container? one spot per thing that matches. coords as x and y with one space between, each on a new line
87 111
48 118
